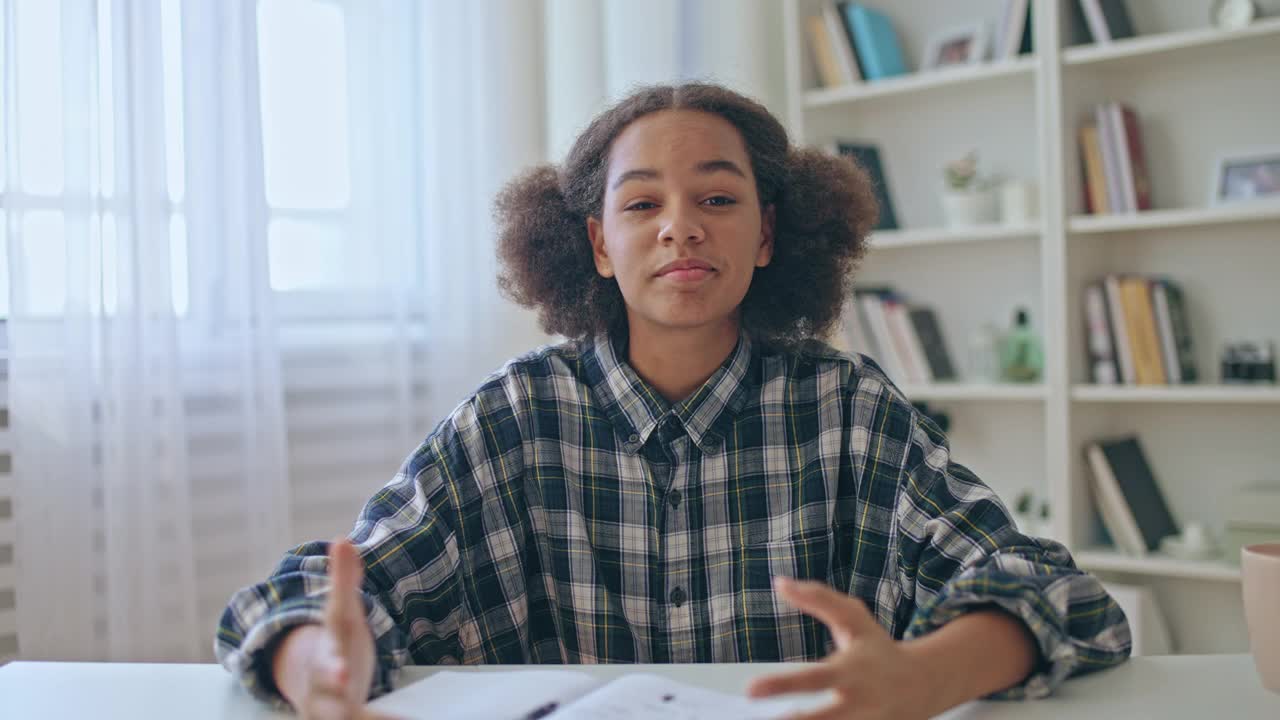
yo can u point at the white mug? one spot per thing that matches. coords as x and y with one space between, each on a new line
1260 568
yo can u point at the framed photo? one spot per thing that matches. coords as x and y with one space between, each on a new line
1246 176
965 45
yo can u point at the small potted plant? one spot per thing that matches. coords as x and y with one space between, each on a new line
967 199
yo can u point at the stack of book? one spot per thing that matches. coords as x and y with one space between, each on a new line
1114 165
906 341
851 43
1128 497
1137 332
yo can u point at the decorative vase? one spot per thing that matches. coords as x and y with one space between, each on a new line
972 207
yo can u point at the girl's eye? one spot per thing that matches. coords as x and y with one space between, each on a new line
642 205
720 200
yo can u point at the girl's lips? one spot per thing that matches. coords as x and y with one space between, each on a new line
687 274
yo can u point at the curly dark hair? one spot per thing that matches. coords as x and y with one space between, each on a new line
825 206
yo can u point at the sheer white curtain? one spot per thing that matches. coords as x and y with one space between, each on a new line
250 264
133 156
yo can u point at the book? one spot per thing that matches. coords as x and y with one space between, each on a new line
1179 323
1137 178
1095 178
1103 369
824 56
931 342
1119 332
1164 328
867 156
573 695
1107 20
875 41
1109 141
877 321
1132 505
1139 318
908 345
1013 21
841 42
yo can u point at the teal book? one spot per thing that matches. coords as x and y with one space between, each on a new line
875 42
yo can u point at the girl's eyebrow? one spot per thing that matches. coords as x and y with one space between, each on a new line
705 168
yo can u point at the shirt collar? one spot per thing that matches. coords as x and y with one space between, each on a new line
635 408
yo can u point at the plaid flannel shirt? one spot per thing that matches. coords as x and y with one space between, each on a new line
566 513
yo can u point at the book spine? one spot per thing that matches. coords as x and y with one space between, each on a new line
1164 326
1181 333
1120 333
895 317
1124 155
840 43
915 347
1102 363
888 357
1116 513
1141 179
1106 140
1097 21
1135 293
824 58
1095 178
875 41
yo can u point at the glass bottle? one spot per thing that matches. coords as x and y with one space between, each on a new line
1021 353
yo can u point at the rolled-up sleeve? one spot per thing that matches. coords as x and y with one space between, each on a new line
410 558
959 550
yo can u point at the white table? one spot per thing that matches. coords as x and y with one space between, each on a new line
1204 686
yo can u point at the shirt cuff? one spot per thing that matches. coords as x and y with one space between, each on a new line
251 661
1058 656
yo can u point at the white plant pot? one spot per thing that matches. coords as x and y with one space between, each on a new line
977 207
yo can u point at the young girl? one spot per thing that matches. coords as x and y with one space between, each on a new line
692 477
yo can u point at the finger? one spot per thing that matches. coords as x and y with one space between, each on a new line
818 677
327 706
844 615
330 675
367 714
345 573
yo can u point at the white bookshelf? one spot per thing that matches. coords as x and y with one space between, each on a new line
888 239
1198 92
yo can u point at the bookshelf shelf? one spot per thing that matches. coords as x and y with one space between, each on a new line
1097 559
1218 394
919 82
975 391
1200 94
1145 46
890 239
1187 217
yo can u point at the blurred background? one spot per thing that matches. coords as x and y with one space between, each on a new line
247 265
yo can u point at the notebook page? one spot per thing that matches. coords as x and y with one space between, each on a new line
522 695
643 696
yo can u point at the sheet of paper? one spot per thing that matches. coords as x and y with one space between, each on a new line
644 697
523 695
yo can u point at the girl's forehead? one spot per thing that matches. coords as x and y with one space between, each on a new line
676 137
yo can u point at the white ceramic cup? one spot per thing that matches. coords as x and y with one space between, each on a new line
1260 566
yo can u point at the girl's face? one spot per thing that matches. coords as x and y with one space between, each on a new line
681 229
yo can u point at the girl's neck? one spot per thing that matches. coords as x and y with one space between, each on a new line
676 362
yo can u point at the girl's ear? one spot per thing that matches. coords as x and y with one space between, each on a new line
767 221
595 230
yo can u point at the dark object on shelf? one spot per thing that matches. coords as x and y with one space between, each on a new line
868 157
939 418
935 349
1100 21
1133 508
1249 362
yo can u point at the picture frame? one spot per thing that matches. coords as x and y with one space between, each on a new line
1246 176
956 46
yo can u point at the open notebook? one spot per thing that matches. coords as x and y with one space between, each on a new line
569 695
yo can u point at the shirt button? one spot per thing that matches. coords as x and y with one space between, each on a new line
674 498
633 438
677 597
